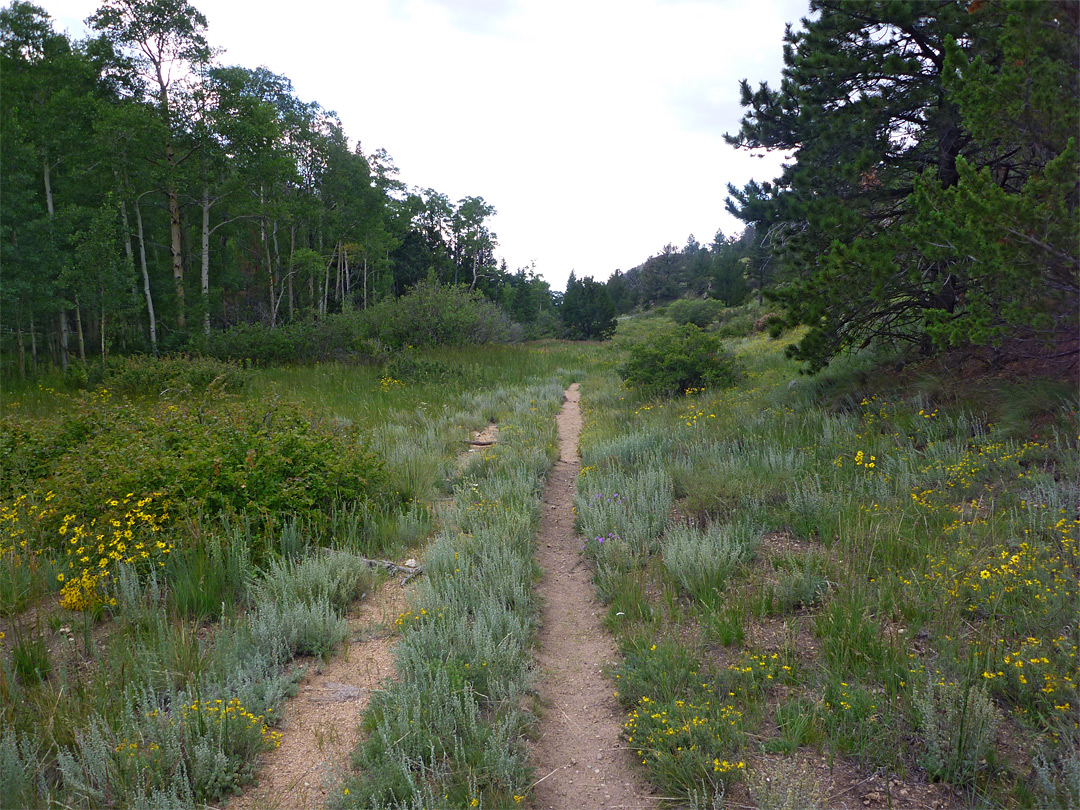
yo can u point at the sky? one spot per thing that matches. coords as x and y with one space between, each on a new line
595 127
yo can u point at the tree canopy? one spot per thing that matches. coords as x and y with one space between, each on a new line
931 195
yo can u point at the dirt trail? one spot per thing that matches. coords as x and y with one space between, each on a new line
579 759
321 725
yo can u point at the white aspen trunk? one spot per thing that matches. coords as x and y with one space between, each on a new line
22 348
204 269
292 255
365 280
345 278
33 343
273 283
50 205
337 281
103 329
63 339
79 331
176 251
146 277
129 252
266 252
326 286
275 270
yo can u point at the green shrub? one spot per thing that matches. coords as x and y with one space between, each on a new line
679 360
271 460
140 375
697 311
331 337
431 314
409 367
959 726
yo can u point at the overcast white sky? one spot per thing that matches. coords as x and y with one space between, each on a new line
593 126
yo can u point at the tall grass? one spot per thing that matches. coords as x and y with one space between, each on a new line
448 731
920 544
238 596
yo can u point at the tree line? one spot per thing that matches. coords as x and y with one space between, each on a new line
152 195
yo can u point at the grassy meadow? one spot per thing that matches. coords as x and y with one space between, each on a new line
174 536
867 569
864 570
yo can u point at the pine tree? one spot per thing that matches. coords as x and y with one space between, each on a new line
874 110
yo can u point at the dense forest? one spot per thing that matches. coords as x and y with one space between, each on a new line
153 195
155 199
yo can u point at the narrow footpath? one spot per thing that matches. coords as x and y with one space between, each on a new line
321 724
579 760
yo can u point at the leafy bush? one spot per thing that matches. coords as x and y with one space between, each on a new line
697 311
271 459
408 367
332 337
431 314
679 360
140 375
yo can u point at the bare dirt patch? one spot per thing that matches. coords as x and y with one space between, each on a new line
479 440
844 786
579 759
321 725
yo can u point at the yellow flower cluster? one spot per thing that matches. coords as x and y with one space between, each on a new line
220 712
684 725
96 550
723 766
20 516
386 382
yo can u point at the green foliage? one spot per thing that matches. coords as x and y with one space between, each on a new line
271 459
332 337
697 311
938 205
679 360
587 311
139 375
432 314
408 366
959 726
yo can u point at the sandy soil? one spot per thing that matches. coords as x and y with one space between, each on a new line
579 759
321 724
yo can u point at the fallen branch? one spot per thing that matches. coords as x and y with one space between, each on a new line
392 567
